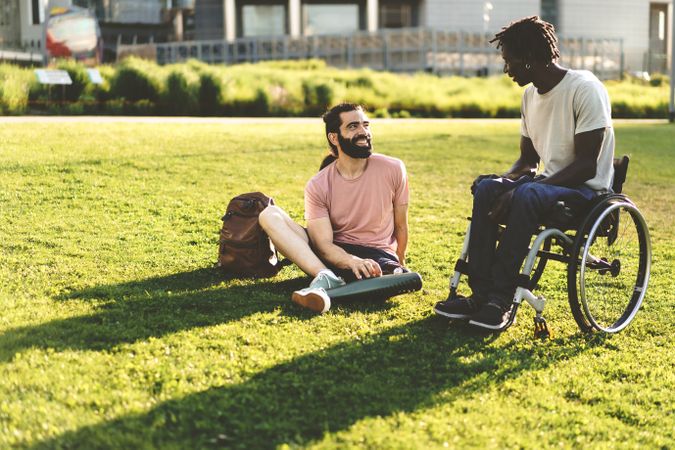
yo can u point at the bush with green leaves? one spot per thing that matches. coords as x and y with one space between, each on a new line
210 93
15 85
181 94
297 88
318 95
78 76
136 80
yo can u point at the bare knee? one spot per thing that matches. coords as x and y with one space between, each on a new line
278 224
271 217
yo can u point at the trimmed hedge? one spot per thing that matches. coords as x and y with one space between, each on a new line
288 88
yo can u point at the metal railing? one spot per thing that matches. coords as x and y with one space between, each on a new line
20 56
397 50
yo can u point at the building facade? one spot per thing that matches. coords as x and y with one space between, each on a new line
644 26
126 21
21 23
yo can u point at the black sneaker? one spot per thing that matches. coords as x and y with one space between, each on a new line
492 316
458 307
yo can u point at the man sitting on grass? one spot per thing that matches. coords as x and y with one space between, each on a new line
566 123
356 209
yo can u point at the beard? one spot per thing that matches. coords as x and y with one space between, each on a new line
351 148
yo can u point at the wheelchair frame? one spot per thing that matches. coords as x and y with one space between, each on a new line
602 222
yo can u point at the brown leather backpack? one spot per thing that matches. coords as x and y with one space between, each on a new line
245 249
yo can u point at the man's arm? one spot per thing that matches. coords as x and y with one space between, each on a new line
586 150
321 234
526 163
585 165
401 231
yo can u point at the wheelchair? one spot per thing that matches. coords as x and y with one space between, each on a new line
607 250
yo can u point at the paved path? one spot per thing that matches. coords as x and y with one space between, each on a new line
247 120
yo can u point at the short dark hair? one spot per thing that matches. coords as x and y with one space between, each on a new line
530 38
332 120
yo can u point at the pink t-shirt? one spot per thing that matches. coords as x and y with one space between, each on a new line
361 210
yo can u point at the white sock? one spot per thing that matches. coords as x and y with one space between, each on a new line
327 272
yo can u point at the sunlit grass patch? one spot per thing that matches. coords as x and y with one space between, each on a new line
117 332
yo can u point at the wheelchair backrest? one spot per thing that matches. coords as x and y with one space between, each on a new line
620 171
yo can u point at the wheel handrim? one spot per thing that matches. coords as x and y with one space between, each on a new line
611 298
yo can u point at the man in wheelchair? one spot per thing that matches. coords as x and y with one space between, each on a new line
566 125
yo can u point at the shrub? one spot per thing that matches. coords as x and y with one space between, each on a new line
260 106
73 109
66 93
115 107
180 97
364 81
15 84
659 79
136 80
381 113
142 107
100 93
78 75
291 88
301 64
210 94
257 105
318 96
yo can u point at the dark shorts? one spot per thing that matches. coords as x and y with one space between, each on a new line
387 262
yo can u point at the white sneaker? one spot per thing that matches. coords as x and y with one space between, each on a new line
315 297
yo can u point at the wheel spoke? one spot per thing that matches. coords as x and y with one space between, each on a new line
608 280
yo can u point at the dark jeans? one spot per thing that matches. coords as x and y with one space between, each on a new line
387 262
493 271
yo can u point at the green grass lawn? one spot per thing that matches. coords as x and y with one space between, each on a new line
117 332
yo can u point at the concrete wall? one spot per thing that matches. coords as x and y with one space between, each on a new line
32 35
10 29
627 19
209 16
467 15
135 11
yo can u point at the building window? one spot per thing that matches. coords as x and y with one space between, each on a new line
37 15
5 14
330 18
395 15
263 20
97 7
549 11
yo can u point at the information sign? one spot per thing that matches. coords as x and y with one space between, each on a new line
48 76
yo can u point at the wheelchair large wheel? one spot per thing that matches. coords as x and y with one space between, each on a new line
609 269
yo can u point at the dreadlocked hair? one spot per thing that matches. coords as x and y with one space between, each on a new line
530 37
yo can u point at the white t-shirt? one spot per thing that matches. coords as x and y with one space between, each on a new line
578 103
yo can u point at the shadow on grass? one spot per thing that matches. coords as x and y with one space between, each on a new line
403 369
154 307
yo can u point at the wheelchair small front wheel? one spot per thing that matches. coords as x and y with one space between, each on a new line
609 268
